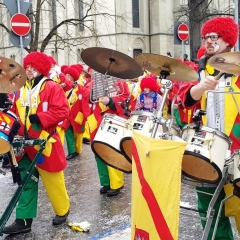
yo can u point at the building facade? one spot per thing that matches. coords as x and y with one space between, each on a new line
128 26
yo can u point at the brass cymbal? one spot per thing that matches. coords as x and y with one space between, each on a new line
228 62
156 63
12 75
111 62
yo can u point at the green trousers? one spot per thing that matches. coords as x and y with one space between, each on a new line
70 140
27 204
224 230
109 176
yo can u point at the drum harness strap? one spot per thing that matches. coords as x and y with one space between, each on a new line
28 104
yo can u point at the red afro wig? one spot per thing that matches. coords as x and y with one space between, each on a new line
225 27
151 83
38 60
63 67
52 60
72 72
201 52
78 67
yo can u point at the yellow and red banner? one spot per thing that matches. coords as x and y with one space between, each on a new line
156 186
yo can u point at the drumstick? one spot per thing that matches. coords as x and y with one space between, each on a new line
219 75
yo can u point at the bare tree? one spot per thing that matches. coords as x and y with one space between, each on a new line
64 31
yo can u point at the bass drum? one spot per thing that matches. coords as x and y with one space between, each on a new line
106 142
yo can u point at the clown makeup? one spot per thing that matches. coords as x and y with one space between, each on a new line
31 72
146 90
214 44
69 77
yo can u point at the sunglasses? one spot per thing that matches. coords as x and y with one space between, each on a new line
212 37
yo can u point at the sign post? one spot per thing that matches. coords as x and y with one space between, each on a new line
183 34
20 24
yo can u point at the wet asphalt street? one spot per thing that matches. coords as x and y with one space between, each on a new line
110 217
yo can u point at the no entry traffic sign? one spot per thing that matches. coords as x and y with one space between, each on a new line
20 24
183 32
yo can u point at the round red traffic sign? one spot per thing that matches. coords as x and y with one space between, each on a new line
183 32
20 24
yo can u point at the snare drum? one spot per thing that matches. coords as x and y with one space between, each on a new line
7 119
106 142
205 154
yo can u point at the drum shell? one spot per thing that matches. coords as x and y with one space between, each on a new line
236 170
145 120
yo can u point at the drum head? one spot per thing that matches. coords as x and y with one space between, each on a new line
111 156
126 148
198 167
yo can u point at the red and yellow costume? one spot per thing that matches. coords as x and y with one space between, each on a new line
108 176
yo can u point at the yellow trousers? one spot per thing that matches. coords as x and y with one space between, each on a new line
54 184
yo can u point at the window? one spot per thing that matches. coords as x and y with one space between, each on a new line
80 10
54 13
135 13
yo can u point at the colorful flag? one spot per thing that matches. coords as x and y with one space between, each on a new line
156 185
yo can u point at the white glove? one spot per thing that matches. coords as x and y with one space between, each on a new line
53 74
57 69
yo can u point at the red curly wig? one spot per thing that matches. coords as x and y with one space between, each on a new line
63 67
53 61
72 72
78 67
225 27
38 60
151 83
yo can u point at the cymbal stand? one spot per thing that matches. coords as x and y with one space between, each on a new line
21 183
167 85
211 211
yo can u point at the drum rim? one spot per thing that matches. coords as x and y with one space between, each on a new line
114 116
210 130
121 148
142 113
186 152
94 151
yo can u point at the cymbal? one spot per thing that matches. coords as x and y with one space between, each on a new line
156 63
12 75
111 62
228 62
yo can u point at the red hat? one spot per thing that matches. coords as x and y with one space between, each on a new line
201 52
72 72
63 67
38 60
225 27
149 82
53 61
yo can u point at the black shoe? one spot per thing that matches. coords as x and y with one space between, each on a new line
18 226
104 189
113 192
71 156
4 165
5 162
86 141
57 220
